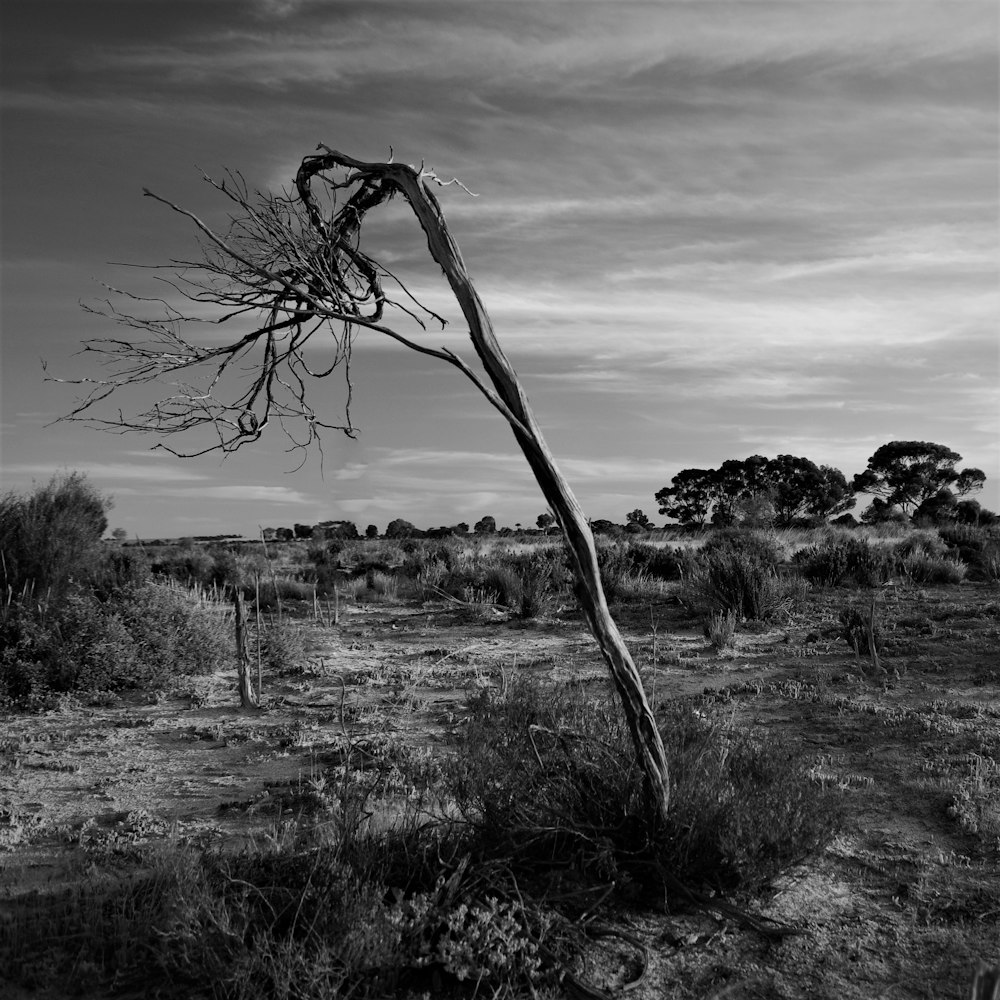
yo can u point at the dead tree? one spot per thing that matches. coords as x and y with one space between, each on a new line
293 265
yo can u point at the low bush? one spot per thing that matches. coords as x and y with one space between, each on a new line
921 568
738 581
977 547
382 585
361 915
188 565
135 638
283 646
662 563
270 593
523 585
546 774
841 560
921 542
761 546
637 588
119 570
720 629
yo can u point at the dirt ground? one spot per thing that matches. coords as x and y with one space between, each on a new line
902 904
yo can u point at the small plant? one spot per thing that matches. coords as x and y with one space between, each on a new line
381 584
862 631
975 805
521 585
283 647
720 629
990 563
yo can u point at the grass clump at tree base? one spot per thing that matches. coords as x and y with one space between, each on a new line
548 774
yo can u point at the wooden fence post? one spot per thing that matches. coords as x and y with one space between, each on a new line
249 699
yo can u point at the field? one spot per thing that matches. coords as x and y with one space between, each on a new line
377 692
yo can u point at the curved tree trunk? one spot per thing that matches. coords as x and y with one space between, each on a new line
559 496
557 493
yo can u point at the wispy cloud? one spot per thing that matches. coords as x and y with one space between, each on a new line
109 471
245 494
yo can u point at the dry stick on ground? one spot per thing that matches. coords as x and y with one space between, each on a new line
295 263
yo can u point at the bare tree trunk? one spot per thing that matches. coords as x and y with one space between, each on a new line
557 493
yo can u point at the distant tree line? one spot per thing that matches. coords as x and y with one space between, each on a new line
907 480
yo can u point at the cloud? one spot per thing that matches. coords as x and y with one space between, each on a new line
114 471
352 470
248 493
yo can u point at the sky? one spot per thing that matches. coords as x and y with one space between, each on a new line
703 231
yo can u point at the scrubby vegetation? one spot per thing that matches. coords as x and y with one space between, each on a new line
484 880
477 869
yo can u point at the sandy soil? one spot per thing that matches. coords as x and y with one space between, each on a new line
901 904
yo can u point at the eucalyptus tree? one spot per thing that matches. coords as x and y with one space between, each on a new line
908 473
291 274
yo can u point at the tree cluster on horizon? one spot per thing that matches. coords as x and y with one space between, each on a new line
907 479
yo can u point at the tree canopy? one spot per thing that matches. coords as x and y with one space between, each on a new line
905 474
756 491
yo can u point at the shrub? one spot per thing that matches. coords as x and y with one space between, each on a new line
428 580
175 635
503 584
720 629
119 570
761 546
662 563
922 542
135 638
921 568
638 587
271 593
977 547
627 570
283 646
614 562
227 570
550 773
295 920
840 560
861 630
741 582
522 585
187 564
990 563
51 537
384 585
